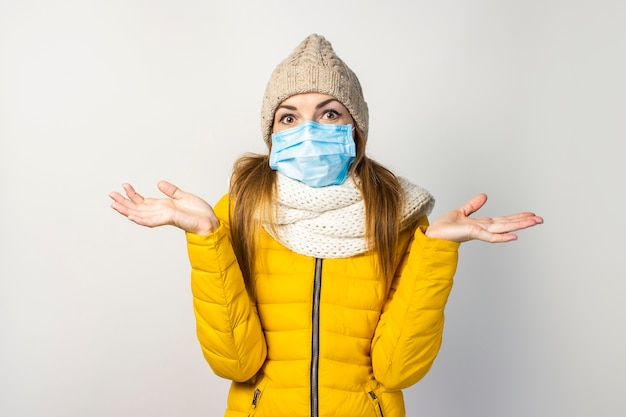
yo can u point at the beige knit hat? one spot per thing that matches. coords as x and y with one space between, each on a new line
313 67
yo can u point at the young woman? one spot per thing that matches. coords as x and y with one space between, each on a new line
319 285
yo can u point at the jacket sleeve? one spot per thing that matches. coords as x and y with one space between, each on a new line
227 321
409 332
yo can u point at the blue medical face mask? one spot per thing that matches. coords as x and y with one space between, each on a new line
316 154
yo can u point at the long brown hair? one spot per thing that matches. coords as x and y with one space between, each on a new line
252 190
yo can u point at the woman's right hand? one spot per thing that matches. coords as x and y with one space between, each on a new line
183 210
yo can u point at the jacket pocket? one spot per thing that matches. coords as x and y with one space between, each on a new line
376 403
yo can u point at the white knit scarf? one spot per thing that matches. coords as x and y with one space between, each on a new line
329 222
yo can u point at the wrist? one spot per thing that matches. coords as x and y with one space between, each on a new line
209 229
206 228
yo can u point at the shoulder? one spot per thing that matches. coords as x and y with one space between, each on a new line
221 208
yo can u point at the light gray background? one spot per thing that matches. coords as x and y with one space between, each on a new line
523 100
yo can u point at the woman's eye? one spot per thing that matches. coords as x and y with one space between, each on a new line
287 119
331 115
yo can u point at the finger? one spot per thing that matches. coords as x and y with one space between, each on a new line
169 189
503 237
143 221
141 217
520 220
132 194
474 204
115 196
506 227
517 216
121 203
525 223
494 237
120 208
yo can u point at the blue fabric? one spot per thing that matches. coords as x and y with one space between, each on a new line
316 154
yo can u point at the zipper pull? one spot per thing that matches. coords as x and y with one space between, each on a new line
255 398
377 405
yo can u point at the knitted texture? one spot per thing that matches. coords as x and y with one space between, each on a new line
313 67
329 222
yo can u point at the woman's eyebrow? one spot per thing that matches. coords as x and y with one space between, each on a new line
325 102
286 106
319 106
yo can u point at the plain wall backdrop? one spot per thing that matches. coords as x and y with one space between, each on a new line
522 100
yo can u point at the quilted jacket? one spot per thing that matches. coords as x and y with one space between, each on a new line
323 337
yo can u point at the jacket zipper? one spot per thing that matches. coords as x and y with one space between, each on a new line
377 406
315 337
255 402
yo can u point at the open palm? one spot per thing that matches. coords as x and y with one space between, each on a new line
181 209
457 226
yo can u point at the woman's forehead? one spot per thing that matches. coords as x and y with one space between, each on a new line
307 98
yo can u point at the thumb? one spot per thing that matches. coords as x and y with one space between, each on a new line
169 189
474 204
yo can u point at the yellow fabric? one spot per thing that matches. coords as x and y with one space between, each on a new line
375 336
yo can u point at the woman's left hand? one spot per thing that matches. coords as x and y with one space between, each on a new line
457 226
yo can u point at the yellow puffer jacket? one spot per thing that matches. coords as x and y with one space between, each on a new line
324 337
